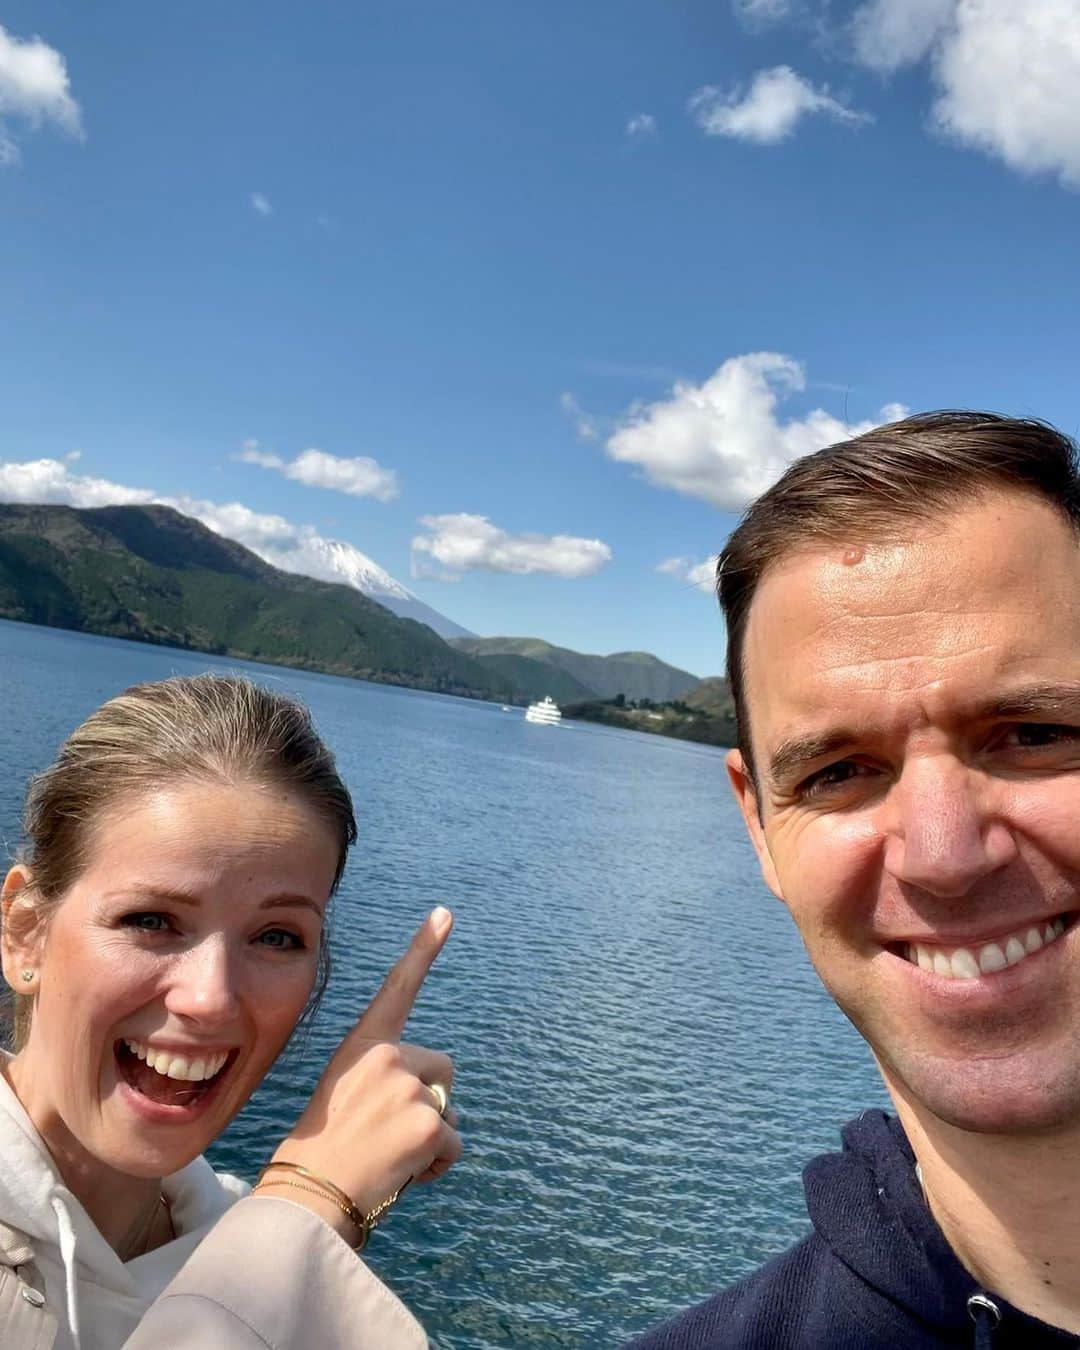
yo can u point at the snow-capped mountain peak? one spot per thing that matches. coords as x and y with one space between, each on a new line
346 563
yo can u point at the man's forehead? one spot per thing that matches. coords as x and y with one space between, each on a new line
963 608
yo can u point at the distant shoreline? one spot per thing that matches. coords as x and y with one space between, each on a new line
675 720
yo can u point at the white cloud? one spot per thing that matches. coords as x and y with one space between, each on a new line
777 100
359 476
641 127
261 205
702 574
763 11
294 548
584 423
466 543
1007 73
49 480
889 34
722 441
34 88
251 454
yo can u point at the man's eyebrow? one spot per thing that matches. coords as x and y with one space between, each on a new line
1035 700
791 755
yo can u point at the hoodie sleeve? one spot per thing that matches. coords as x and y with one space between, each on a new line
271 1273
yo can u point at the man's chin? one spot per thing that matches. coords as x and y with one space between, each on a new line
1017 1095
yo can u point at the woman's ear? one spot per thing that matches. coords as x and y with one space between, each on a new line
20 935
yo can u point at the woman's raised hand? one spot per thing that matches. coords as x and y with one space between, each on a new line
373 1123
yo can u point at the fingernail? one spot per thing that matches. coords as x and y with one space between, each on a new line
441 919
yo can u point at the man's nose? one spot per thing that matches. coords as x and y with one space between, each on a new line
203 984
942 835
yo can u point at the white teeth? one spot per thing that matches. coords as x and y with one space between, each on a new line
992 958
179 1067
962 964
1014 951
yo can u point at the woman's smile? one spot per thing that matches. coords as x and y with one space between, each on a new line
167 1084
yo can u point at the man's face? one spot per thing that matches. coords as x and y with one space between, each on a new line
915 714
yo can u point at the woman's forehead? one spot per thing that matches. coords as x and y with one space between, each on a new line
215 826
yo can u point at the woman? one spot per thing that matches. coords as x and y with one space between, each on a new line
163 935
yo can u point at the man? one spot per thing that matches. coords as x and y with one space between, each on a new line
903 618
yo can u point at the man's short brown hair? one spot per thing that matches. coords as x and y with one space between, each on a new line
876 486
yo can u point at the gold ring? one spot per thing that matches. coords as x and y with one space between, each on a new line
441 1096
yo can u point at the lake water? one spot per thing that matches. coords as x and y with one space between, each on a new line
644 1058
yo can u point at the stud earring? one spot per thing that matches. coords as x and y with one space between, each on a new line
27 976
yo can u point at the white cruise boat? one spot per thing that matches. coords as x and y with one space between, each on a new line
547 713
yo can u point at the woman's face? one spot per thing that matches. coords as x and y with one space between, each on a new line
172 972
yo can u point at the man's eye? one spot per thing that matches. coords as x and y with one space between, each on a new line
831 777
280 939
1036 735
146 922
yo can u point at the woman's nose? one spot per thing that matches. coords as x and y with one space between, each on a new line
203 984
942 835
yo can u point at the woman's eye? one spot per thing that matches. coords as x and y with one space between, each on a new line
147 922
280 939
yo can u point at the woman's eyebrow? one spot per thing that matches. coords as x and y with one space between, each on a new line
291 901
167 896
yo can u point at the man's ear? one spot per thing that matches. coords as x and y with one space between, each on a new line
20 933
742 784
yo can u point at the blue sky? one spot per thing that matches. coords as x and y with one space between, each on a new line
577 278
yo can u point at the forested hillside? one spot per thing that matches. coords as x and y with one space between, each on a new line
152 574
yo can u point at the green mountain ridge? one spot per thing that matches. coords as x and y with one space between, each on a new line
712 697
636 675
152 574
705 713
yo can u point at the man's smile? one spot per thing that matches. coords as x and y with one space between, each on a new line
979 958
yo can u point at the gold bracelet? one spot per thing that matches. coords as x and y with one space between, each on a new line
364 1223
311 1190
344 1202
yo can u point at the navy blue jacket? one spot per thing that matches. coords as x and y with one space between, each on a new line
875 1272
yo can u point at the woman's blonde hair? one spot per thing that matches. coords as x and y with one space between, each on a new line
200 728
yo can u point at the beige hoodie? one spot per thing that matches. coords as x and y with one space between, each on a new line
261 1272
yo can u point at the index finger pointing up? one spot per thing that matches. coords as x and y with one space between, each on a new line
389 1010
